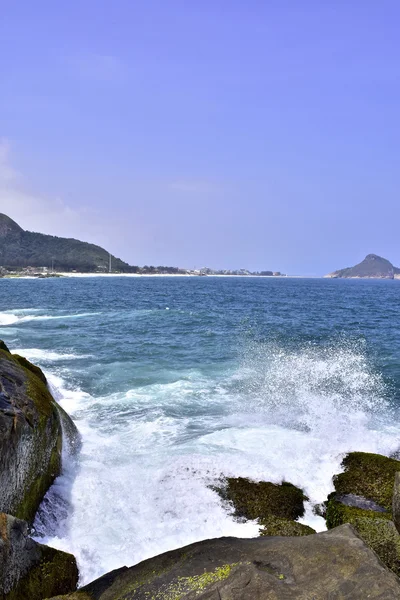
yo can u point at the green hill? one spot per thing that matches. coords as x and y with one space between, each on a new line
372 266
19 248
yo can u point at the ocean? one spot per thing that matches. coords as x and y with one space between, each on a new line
175 382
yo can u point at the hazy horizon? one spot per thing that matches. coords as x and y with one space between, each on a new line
261 136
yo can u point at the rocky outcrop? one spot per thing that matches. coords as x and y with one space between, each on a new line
396 501
364 497
29 570
31 425
335 564
275 507
372 266
30 436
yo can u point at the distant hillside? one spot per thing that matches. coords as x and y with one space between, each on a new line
19 248
372 266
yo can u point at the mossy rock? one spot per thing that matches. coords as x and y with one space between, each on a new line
275 526
333 564
375 528
259 500
30 436
368 475
56 572
3 346
30 570
24 362
338 513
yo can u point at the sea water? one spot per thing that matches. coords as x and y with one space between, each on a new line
174 383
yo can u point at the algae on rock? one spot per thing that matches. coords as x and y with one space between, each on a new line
30 449
368 477
276 507
29 570
334 564
30 436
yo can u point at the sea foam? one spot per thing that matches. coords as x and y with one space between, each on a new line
143 482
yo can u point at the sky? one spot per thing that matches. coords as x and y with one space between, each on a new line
221 133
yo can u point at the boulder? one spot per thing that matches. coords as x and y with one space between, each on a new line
364 497
332 565
30 436
31 571
275 506
368 475
396 501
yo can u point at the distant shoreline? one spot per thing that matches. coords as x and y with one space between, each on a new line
191 275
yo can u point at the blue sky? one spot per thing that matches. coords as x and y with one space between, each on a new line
261 134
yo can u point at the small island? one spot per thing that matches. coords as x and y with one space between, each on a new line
372 267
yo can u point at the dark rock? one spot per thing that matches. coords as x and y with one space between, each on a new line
330 565
359 502
254 500
30 437
363 498
368 475
396 501
3 346
274 506
31 571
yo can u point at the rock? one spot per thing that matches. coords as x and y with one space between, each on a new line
31 571
368 475
30 436
363 498
254 500
330 565
396 501
274 506
275 526
375 528
359 502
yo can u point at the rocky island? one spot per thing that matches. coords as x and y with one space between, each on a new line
357 558
372 267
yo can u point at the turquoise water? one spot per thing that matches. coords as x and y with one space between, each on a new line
173 382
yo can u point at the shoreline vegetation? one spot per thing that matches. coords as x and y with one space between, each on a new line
26 253
359 552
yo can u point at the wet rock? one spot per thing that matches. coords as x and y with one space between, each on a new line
359 502
368 475
276 507
30 436
396 501
31 571
363 498
335 564
274 526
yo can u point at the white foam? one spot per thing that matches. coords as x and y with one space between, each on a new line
16 317
150 455
40 355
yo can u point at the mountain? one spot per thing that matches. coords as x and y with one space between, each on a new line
372 266
19 248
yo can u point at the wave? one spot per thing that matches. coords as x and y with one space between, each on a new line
40 355
12 318
150 454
